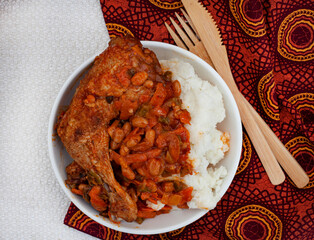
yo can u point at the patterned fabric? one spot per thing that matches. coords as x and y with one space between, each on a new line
270 46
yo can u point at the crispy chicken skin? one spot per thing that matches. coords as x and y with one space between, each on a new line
83 127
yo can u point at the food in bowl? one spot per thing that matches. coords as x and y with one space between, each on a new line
208 145
127 131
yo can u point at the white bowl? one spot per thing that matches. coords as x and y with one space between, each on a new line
175 219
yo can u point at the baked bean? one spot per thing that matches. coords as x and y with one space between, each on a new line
153 153
154 166
150 136
136 157
112 128
174 144
124 150
118 135
137 165
168 158
158 129
172 168
128 173
139 78
176 88
133 141
135 132
141 147
142 171
139 122
127 128
149 84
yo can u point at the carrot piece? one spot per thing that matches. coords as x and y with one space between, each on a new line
147 209
145 195
152 197
127 108
186 194
165 198
166 207
98 203
153 200
159 96
175 199
77 191
146 214
184 206
144 98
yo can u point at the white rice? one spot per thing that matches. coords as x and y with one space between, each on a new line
154 206
205 104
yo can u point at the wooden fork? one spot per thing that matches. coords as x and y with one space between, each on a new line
194 45
283 156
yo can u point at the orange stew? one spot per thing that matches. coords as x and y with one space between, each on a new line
148 145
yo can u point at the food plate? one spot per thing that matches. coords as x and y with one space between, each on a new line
175 219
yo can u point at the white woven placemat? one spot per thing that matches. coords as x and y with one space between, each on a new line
41 43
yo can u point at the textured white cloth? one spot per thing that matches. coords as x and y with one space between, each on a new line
41 43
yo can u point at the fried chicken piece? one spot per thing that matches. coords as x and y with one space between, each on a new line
108 92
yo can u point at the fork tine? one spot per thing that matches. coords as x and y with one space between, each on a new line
187 17
187 29
175 37
183 36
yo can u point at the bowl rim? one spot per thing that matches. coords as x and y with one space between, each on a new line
54 112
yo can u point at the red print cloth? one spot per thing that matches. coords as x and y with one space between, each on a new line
270 45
